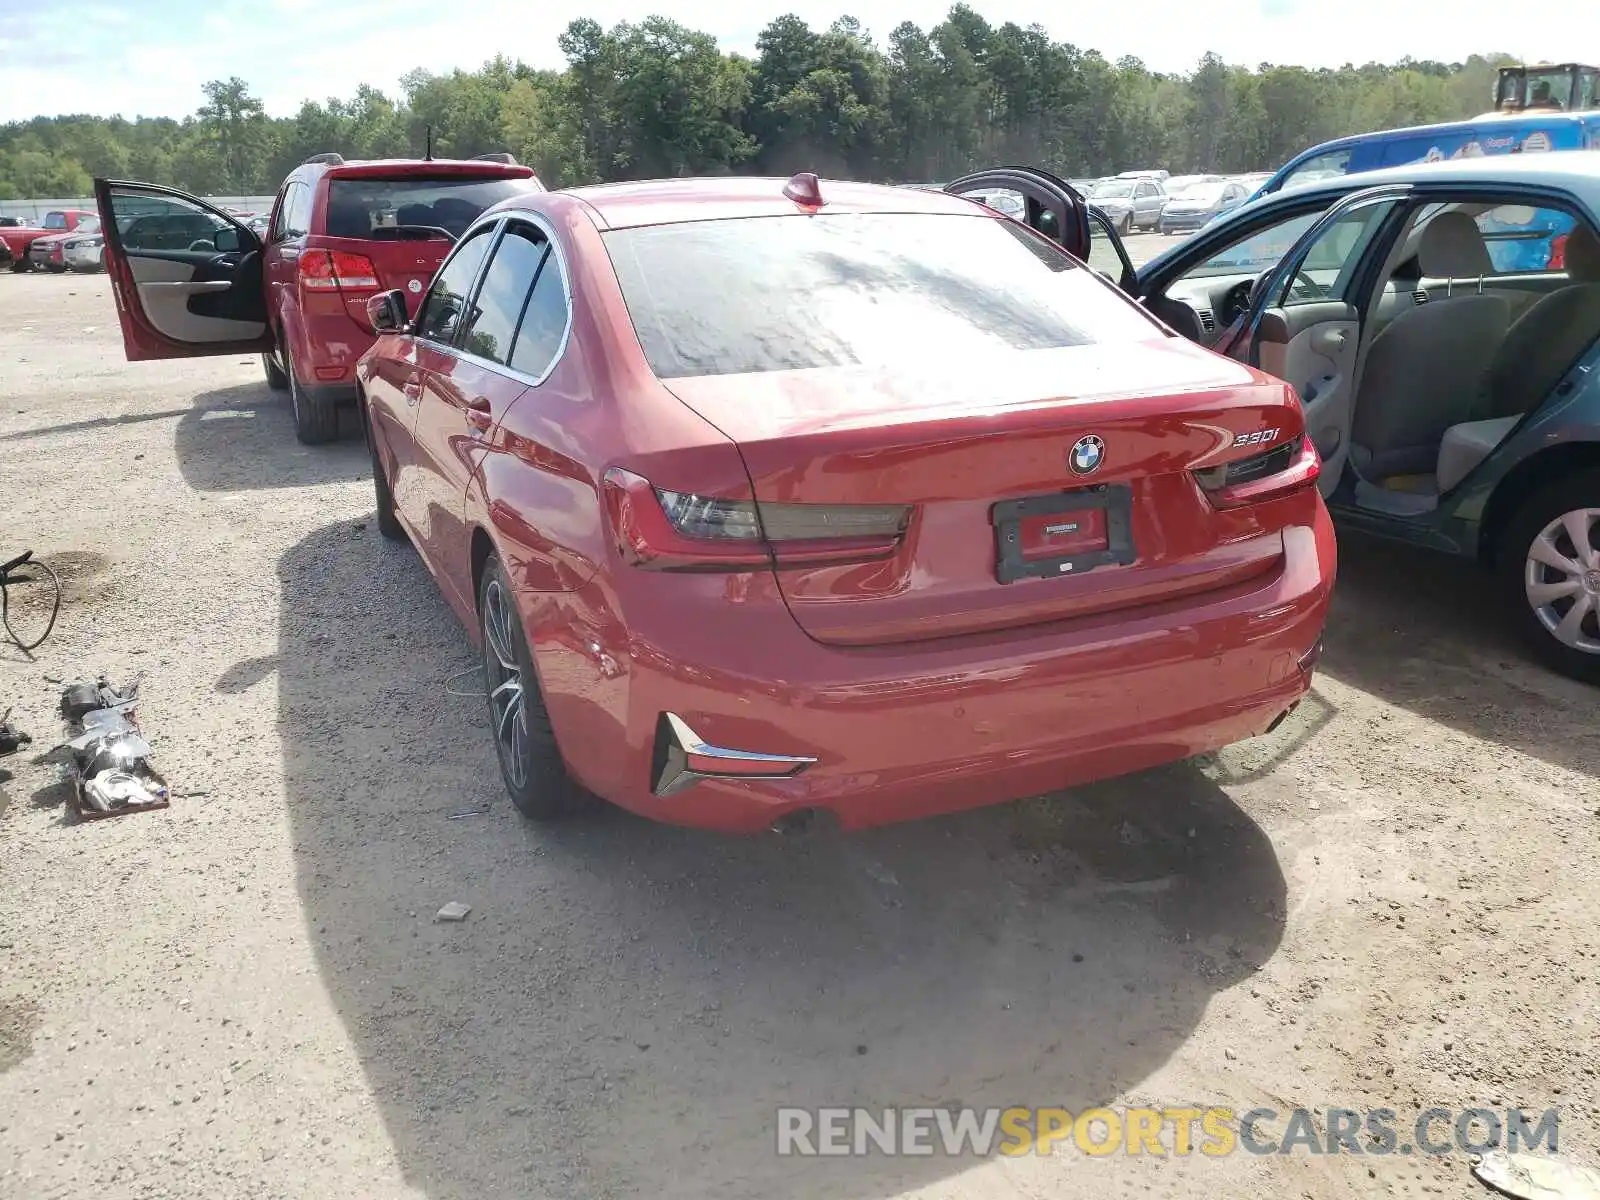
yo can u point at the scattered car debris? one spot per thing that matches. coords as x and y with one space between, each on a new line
1537 1176
12 739
454 911
478 811
25 569
108 758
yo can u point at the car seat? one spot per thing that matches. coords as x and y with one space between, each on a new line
1537 351
1423 369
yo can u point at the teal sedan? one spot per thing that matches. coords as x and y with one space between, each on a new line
1441 325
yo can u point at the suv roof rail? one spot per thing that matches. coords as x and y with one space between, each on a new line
499 157
332 156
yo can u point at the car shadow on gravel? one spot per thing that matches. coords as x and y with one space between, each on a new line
628 1004
241 438
1427 632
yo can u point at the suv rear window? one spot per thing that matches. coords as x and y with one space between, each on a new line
358 206
787 293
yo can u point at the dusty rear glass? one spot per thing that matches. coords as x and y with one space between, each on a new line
358 206
750 294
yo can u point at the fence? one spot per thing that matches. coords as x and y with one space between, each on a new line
35 210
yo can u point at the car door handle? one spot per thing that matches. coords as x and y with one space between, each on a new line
191 287
479 413
413 389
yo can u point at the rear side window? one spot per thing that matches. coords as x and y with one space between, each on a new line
447 299
519 316
792 292
358 207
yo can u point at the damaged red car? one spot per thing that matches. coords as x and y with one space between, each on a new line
767 497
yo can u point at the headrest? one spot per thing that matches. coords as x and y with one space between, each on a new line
1452 248
1583 256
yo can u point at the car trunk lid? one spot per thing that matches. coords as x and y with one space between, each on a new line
1005 531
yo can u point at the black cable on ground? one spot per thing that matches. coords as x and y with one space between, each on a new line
12 572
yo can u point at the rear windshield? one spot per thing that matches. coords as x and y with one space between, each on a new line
358 206
55 220
787 293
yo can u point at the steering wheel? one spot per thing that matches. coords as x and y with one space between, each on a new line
202 244
1236 301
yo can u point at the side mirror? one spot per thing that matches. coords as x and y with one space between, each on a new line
387 312
227 240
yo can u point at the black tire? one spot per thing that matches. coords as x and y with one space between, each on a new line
1125 226
57 268
530 761
315 421
19 266
276 379
1517 572
383 499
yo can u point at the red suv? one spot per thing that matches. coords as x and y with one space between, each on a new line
193 279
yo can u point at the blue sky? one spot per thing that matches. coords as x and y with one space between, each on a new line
151 56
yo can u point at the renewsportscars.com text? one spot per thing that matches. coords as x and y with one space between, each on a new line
1178 1132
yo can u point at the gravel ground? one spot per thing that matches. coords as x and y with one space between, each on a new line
1390 902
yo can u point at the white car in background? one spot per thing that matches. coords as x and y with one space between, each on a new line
85 248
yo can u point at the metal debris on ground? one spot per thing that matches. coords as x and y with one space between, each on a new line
108 759
12 739
478 811
454 911
1537 1176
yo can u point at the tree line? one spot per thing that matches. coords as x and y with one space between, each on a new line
656 98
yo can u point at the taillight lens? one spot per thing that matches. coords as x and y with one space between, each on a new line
683 531
337 270
1264 476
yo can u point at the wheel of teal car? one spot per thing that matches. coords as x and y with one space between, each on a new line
1549 561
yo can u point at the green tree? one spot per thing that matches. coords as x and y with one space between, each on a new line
235 124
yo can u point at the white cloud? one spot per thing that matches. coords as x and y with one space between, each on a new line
151 56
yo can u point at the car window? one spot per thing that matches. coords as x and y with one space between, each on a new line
1522 239
1103 254
298 222
164 223
544 320
1323 166
501 297
447 298
1260 251
280 219
789 293
357 206
1330 261
55 220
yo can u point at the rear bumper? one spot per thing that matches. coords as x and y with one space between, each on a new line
329 347
909 731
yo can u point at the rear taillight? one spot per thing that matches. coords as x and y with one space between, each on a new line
1263 476
681 531
337 270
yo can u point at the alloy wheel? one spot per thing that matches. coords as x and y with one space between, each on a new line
1561 579
507 706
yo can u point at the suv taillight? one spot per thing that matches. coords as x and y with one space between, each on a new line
337 270
1293 465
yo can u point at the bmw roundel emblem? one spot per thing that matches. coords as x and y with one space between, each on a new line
415 286
1087 455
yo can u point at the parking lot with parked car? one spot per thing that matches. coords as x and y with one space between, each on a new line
1386 897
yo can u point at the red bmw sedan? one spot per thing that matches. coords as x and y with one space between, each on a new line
766 496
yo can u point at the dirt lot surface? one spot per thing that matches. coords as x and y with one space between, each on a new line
1390 902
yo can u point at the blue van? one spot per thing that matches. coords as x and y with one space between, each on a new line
1494 133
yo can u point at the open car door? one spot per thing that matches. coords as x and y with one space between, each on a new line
1055 208
186 276
1305 318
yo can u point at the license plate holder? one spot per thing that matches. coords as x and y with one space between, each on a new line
1106 506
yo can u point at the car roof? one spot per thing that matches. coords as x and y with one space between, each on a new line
667 201
369 168
1574 170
